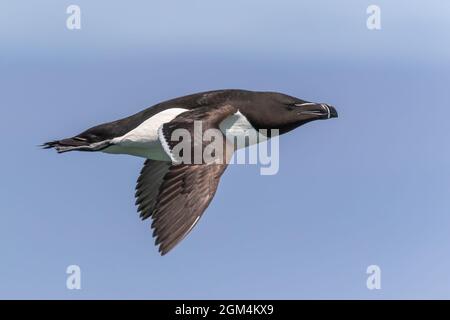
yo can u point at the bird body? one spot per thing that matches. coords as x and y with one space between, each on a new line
171 190
143 141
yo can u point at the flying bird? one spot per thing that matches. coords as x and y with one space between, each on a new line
175 194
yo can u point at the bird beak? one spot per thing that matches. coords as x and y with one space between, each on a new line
321 110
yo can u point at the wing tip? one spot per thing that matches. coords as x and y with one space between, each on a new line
162 252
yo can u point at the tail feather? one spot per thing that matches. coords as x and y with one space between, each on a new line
75 143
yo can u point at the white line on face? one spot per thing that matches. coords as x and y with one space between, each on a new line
304 104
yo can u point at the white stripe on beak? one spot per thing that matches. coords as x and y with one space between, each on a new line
328 110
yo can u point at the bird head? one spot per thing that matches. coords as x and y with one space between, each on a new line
284 112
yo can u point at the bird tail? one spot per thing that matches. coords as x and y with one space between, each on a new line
75 143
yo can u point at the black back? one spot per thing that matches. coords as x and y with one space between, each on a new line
264 110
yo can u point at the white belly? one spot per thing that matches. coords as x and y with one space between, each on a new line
238 126
143 141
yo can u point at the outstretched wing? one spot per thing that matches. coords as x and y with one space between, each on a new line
184 195
148 185
176 195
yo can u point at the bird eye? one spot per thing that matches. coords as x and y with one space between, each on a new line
289 107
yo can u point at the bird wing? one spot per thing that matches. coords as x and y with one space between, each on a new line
148 185
195 123
175 195
184 195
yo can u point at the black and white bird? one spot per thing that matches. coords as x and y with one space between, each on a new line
175 195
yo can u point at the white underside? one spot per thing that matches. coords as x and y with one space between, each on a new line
144 140
238 126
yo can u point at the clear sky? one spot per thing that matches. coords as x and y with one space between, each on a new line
369 188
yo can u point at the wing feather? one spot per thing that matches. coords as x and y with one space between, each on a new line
175 195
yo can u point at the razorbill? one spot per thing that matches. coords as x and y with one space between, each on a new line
175 194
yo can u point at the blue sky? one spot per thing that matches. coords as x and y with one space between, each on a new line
368 188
